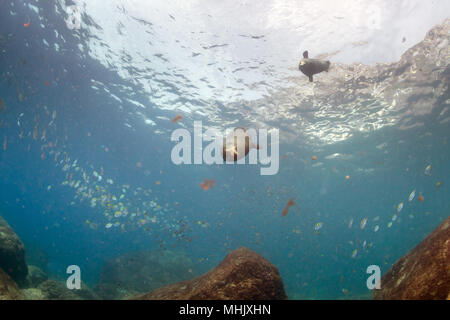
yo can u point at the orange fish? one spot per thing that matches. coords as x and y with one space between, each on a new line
158 182
177 118
283 156
288 205
5 142
47 83
26 25
207 184
420 198
314 157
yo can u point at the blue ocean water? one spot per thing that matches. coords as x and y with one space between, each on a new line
86 124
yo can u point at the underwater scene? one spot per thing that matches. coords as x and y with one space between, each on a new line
207 149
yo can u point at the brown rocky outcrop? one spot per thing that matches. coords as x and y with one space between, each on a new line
12 254
243 274
8 288
423 273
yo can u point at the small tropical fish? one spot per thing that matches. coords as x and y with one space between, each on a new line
318 226
108 225
350 223
92 225
389 224
207 184
364 244
345 291
177 118
428 170
400 207
288 205
394 217
354 253
412 195
363 223
438 184
377 227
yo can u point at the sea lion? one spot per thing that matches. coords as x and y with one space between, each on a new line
310 67
237 145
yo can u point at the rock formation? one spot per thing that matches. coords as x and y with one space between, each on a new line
35 276
56 290
423 273
12 254
243 274
140 272
8 288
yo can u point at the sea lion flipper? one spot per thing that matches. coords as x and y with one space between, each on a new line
305 54
310 78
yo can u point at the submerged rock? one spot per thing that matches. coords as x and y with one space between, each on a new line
423 273
35 276
12 254
56 290
8 288
140 272
242 275
33 294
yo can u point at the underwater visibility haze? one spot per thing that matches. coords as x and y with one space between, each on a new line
91 92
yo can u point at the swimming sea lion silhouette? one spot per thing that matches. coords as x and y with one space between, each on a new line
237 145
310 67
